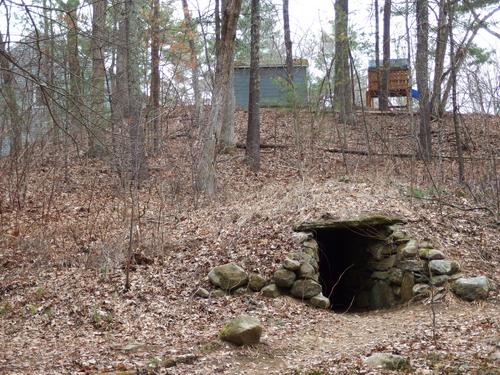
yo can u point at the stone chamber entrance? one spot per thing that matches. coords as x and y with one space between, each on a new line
359 263
346 265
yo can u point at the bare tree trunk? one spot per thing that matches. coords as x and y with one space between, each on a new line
377 46
422 73
456 122
288 42
343 83
253 129
10 99
227 140
205 170
97 126
128 96
191 32
75 101
384 79
442 36
154 99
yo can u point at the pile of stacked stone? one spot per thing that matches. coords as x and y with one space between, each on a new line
297 276
398 269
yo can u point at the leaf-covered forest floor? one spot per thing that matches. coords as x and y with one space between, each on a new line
64 239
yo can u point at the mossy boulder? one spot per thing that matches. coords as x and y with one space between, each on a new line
271 291
305 288
256 282
387 361
443 267
244 330
228 276
284 278
471 288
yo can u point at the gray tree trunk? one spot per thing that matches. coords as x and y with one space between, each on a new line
343 83
386 47
441 41
422 74
191 31
98 121
128 97
253 126
8 93
205 169
154 98
288 41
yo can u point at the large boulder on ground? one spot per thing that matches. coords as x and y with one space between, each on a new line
305 288
387 361
471 288
244 330
271 291
320 301
228 276
256 282
284 278
443 267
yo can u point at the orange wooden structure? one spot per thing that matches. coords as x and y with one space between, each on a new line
399 82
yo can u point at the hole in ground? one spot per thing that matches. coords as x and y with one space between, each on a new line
344 265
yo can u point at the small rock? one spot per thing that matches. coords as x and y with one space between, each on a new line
425 244
320 301
443 267
291 264
434 254
395 276
241 291
471 288
384 264
409 250
219 293
271 291
256 282
244 330
380 275
228 276
202 292
284 278
421 289
301 237
311 244
439 280
305 288
387 361
306 271
412 265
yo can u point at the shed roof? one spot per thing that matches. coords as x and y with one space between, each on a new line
393 63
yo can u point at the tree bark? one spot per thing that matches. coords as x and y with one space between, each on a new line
377 42
128 96
422 74
191 32
154 98
205 169
75 101
288 42
97 125
456 122
384 79
253 126
9 95
441 41
343 83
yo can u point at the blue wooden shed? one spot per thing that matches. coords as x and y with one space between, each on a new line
273 87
